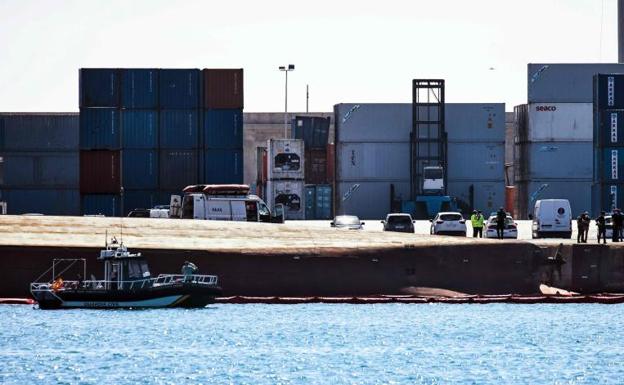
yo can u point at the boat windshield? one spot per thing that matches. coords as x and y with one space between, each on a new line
137 269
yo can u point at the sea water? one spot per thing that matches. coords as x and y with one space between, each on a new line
316 344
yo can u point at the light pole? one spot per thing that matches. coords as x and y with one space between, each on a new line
286 69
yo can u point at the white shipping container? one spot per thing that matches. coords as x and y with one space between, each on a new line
560 122
373 161
291 194
285 159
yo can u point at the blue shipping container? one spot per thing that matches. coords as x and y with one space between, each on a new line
99 129
609 91
139 88
108 205
606 197
178 169
142 199
223 166
140 169
313 130
179 129
324 199
41 169
223 128
39 132
139 128
42 201
610 129
310 201
612 169
99 87
179 88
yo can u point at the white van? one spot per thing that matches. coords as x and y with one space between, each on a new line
552 218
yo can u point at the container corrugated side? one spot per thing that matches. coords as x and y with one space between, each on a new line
101 204
39 132
476 122
310 201
100 172
609 91
140 169
42 201
223 128
476 161
179 88
290 194
371 200
555 160
316 166
313 130
373 122
139 88
223 166
577 192
139 128
141 199
223 88
286 159
331 163
323 202
560 122
373 161
486 196
179 129
40 169
607 197
611 169
178 169
99 87
99 129
610 129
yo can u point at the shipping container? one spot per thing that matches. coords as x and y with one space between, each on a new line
611 166
371 200
178 169
140 169
486 196
179 129
139 88
179 88
373 161
475 122
139 128
609 128
223 128
99 87
373 122
100 172
607 197
41 201
559 122
101 204
609 91
312 129
324 199
554 160
99 129
261 165
578 192
40 170
223 166
310 202
223 88
565 83
476 161
316 166
39 132
286 159
142 199
290 193
331 163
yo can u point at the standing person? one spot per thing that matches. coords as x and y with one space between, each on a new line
480 223
501 216
477 220
617 220
602 227
586 220
473 222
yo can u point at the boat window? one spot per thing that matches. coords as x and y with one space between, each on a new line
137 269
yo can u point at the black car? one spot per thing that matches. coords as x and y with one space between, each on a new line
139 213
402 223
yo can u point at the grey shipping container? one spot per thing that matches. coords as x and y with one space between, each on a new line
290 193
42 201
475 122
41 170
373 161
486 196
373 122
476 161
565 83
578 192
554 160
371 200
39 132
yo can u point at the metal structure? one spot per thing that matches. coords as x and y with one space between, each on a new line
428 136
286 70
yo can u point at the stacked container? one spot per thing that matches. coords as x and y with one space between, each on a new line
608 107
222 126
314 131
285 172
39 155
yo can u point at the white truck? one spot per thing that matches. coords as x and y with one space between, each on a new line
433 180
223 203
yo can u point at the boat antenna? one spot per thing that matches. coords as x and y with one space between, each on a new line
106 239
121 230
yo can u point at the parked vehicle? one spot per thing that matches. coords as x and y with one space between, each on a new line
510 231
350 222
448 223
150 213
552 218
399 222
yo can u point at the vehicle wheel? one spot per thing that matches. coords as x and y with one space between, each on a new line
534 235
569 235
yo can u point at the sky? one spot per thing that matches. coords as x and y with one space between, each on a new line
351 51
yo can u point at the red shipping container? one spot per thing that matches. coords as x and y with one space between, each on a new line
223 88
331 163
316 166
100 172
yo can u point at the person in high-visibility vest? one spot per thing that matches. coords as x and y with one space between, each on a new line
477 221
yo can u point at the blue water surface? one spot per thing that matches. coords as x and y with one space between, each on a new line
316 344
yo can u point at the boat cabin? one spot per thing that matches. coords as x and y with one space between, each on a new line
121 266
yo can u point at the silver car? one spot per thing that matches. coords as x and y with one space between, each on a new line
350 222
448 223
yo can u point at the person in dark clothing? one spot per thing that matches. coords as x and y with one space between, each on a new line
582 224
602 227
501 216
579 229
617 221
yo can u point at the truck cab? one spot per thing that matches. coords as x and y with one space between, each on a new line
433 180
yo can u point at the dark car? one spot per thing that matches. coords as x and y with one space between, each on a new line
402 223
350 222
139 213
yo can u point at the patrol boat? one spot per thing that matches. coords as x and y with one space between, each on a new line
127 283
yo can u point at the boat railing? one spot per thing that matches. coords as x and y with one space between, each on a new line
160 280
